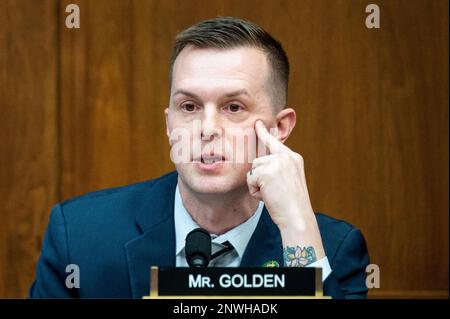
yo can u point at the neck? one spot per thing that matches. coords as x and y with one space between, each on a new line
218 213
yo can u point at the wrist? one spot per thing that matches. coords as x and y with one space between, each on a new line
303 234
298 226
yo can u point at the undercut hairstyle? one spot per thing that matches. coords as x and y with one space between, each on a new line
230 33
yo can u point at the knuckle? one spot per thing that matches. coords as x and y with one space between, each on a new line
298 158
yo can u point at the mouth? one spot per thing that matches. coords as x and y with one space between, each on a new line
209 158
210 162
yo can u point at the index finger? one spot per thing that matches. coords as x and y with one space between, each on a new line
270 141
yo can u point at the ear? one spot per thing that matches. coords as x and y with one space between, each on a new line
285 121
166 114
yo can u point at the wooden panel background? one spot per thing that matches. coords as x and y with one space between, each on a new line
28 136
82 109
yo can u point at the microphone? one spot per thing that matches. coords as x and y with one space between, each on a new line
198 248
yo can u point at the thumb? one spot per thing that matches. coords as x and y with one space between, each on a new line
253 187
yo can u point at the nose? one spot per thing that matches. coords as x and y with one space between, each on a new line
211 124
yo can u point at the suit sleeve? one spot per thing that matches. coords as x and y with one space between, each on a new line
50 270
348 277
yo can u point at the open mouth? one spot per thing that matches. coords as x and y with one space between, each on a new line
212 160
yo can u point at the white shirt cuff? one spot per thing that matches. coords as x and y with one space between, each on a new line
324 264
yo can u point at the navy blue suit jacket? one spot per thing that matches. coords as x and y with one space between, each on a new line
116 235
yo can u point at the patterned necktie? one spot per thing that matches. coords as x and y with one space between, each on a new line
228 247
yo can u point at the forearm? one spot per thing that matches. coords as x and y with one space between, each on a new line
302 243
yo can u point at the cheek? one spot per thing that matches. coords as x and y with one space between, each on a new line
174 120
242 147
176 123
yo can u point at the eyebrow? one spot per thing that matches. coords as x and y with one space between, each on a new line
228 95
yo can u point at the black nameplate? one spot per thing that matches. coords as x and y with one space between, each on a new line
237 281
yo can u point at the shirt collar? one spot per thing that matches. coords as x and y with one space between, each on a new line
238 236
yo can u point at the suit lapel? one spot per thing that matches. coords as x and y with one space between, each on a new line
264 245
156 244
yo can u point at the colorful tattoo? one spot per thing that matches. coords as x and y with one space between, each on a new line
298 256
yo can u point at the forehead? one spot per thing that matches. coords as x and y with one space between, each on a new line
212 69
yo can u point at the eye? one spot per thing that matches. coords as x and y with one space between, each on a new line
234 108
188 107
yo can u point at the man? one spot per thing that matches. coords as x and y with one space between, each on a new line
227 76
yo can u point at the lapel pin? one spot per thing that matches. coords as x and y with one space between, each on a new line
271 264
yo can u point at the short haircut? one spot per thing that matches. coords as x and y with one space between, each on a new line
230 33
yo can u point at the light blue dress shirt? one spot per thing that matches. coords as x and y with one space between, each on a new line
238 236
